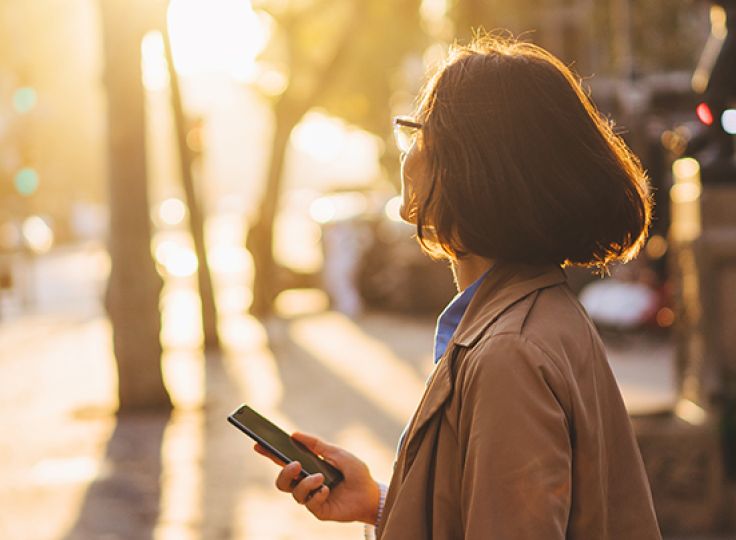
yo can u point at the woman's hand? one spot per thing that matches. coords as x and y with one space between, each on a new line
354 499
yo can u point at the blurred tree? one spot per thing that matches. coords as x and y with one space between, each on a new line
196 217
344 57
134 286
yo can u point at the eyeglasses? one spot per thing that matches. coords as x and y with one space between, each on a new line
405 132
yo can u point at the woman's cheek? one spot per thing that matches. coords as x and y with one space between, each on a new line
407 211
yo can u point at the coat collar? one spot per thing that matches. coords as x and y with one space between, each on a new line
503 286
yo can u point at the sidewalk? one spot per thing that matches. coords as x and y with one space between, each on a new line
90 477
70 470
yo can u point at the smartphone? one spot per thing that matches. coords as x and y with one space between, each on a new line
281 445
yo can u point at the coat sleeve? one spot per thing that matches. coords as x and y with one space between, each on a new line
515 434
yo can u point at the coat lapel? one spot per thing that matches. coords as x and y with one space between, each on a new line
505 285
439 389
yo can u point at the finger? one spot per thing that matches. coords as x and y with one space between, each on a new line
304 489
314 504
289 474
317 445
262 451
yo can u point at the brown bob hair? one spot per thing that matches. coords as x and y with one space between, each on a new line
523 167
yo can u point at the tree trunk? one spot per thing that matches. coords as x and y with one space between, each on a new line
133 289
260 236
288 112
196 217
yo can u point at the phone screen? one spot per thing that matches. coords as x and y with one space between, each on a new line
278 442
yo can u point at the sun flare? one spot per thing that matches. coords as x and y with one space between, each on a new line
223 36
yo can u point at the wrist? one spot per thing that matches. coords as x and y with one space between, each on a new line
378 500
383 490
375 504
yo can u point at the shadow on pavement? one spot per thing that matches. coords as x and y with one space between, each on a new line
317 400
123 503
412 340
221 463
194 456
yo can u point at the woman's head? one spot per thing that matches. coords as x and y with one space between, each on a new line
513 162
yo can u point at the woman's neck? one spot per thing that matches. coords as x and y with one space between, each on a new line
468 269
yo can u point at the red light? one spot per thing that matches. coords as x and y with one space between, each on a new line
704 114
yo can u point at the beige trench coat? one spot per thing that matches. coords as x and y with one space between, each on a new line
521 432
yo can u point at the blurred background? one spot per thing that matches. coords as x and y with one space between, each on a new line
199 207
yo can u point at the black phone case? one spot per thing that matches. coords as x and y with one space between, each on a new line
332 475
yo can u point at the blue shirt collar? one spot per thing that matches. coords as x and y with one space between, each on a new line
450 317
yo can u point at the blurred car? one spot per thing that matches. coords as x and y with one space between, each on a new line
373 261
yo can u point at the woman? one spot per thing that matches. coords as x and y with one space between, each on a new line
510 173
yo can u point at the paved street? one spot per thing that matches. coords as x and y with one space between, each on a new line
70 470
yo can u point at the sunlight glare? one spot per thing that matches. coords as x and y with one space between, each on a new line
297 242
66 471
181 478
181 323
258 379
153 62
297 302
216 37
320 136
178 260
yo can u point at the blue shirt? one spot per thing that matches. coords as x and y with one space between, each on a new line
450 317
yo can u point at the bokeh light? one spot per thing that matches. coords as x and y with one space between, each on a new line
38 235
665 317
393 208
26 181
728 121
338 207
271 80
656 247
686 192
24 99
176 259
685 195
228 259
686 168
704 113
172 211
320 136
